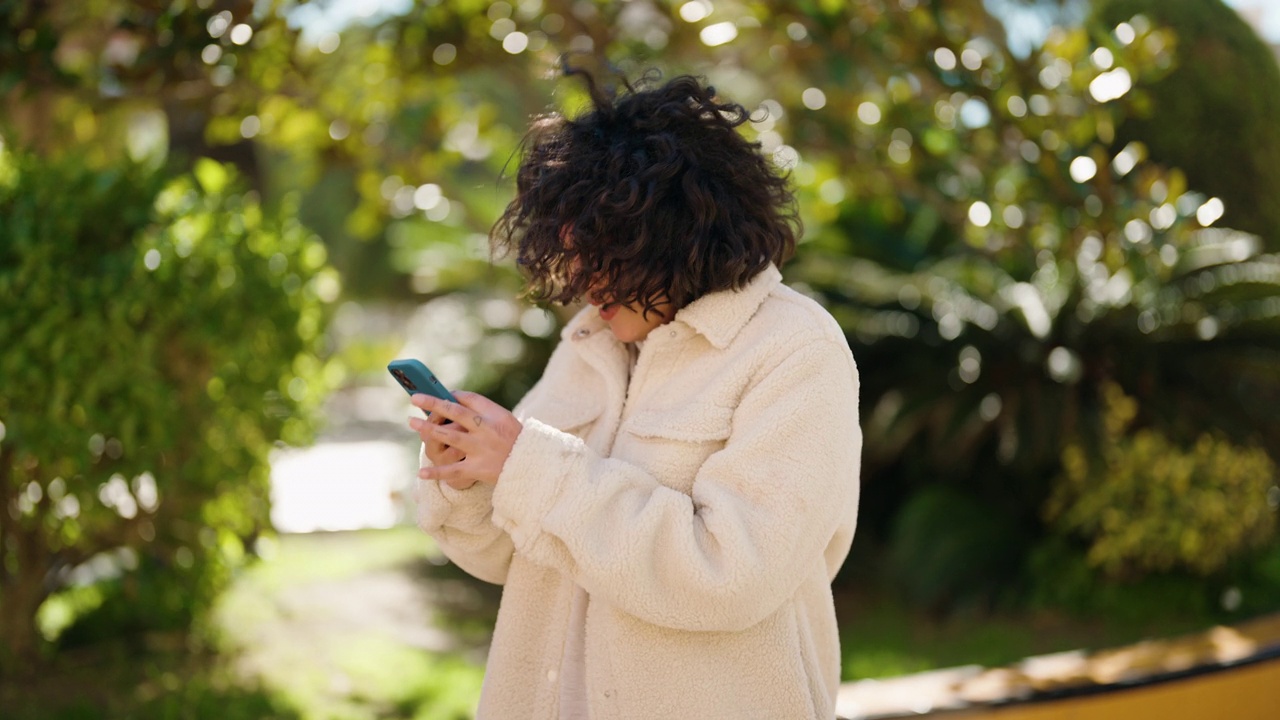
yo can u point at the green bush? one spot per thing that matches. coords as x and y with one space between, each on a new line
1061 579
1150 506
160 337
949 549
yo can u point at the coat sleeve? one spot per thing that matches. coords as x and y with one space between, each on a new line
460 522
763 511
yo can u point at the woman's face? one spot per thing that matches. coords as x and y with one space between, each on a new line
629 323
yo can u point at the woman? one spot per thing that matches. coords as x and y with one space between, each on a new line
667 506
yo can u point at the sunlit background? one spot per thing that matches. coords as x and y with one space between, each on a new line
352 502
1049 229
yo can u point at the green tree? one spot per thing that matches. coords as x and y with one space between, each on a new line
161 336
1213 114
1020 262
114 79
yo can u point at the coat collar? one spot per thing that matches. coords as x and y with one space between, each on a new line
718 317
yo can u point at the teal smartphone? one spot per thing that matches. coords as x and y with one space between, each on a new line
415 378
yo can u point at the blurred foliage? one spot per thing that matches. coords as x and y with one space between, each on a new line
1214 114
162 335
1060 578
1152 506
168 682
947 549
999 232
1018 265
106 79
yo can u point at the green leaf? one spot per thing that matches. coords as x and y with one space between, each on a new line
211 174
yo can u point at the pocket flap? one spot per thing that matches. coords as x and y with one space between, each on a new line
565 416
687 423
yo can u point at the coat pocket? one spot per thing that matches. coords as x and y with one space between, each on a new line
569 416
672 445
687 423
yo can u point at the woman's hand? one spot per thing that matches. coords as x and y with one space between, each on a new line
437 452
474 447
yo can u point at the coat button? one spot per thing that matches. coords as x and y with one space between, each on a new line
551 676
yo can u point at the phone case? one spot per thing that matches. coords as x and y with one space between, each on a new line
414 377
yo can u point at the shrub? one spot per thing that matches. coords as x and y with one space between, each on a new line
1147 505
950 549
160 336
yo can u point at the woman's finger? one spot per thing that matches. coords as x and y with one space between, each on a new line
482 412
435 445
477 402
440 454
460 484
451 473
449 435
436 406
479 412
447 456
435 449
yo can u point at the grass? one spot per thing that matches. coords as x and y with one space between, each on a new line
881 637
375 625
163 680
335 627
343 626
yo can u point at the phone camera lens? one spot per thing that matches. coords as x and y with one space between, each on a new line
404 380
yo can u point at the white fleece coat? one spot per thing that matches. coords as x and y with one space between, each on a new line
704 503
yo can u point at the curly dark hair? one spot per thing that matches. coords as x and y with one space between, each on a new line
652 193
